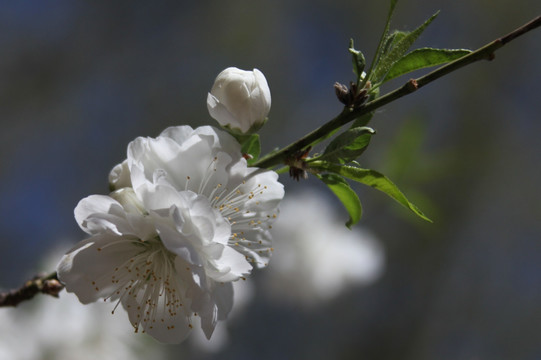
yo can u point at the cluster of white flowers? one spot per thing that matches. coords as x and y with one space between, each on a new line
186 217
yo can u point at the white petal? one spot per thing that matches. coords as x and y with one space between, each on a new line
175 162
178 133
179 245
231 266
159 197
213 305
217 140
88 268
98 213
119 177
221 141
219 112
163 326
223 297
256 245
265 91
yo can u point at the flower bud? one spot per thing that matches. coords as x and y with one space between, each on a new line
240 100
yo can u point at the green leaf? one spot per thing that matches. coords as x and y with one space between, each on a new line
348 146
392 39
373 179
346 195
358 61
251 146
382 183
383 38
362 120
398 47
423 58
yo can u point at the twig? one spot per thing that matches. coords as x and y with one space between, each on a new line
347 115
45 284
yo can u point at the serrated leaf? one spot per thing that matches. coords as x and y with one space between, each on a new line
423 58
348 146
340 187
380 182
383 38
392 39
397 50
251 146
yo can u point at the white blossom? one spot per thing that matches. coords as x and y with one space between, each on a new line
195 219
240 100
316 256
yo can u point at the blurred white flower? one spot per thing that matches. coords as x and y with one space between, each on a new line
240 100
316 257
59 329
196 219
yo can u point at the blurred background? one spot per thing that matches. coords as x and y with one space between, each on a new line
79 80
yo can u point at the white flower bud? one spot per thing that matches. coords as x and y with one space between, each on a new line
240 100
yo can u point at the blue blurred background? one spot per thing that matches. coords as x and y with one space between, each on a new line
79 80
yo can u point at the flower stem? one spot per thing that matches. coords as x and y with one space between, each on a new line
347 115
45 284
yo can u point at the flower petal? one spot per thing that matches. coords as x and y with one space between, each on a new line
119 177
88 268
160 322
230 266
214 305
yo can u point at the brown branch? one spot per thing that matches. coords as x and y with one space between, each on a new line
45 284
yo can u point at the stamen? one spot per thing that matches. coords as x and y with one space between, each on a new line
146 277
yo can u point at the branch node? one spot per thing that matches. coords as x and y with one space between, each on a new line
412 85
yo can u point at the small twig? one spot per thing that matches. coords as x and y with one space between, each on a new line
347 115
45 284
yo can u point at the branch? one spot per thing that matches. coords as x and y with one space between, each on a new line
347 115
45 284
